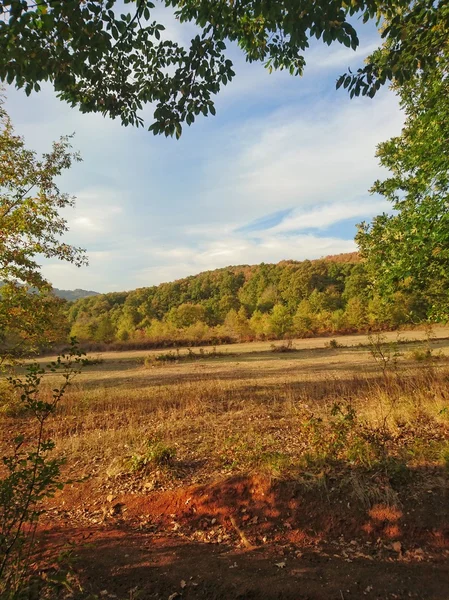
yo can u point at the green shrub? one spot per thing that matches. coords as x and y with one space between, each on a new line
31 473
157 454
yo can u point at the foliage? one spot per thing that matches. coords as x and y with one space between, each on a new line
32 474
30 317
408 251
306 298
30 224
157 454
415 35
104 60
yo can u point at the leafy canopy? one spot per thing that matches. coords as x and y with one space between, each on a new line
30 225
409 249
114 63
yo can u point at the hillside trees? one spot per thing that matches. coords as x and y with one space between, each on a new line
264 302
102 60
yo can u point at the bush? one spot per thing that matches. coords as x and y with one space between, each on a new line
32 474
176 356
284 347
157 454
333 343
425 354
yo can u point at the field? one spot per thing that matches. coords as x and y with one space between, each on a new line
311 469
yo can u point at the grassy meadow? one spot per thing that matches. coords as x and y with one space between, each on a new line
329 447
302 409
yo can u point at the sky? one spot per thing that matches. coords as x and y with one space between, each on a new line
281 172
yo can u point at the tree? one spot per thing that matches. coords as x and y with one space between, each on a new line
304 319
281 321
408 250
30 225
104 61
236 324
186 314
416 38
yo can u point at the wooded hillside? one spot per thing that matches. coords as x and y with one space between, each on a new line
266 301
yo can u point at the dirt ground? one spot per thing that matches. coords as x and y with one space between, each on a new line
250 538
128 564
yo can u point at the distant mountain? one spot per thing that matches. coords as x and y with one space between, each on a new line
72 295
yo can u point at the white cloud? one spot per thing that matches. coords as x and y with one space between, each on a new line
315 161
299 156
325 216
151 210
98 214
325 57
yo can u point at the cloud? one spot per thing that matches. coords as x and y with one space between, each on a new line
298 156
324 57
323 217
238 250
99 214
266 222
276 175
263 190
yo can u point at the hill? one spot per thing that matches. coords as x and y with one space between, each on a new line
236 303
72 295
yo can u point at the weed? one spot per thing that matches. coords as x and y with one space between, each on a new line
256 415
31 473
284 347
385 353
88 362
177 356
426 354
11 404
445 456
157 454
333 343
275 463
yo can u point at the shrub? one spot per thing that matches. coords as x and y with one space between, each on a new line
157 454
333 343
32 474
284 347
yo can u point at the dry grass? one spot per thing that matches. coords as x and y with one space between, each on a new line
303 344
310 411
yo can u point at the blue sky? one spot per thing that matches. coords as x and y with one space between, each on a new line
282 172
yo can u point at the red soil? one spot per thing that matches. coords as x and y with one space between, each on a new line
249 538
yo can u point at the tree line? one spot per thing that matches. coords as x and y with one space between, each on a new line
266 301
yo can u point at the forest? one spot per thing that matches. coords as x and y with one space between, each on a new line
244 303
